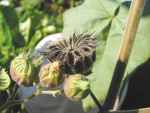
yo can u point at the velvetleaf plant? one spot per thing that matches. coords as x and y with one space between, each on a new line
108 19
78 53
113 19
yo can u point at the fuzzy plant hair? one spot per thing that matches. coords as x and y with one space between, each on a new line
77 54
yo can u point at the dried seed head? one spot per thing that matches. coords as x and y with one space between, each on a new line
52 74
24 68
77 87
77 54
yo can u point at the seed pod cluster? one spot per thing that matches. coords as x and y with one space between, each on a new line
77 55
24 68
73 58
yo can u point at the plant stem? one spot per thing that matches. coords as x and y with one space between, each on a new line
29 97
54 93
116 104
96 101
8 93
144 110
129 36
11 100
6 105
14 92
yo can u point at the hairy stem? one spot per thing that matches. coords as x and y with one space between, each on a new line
129 36
54 93
38 91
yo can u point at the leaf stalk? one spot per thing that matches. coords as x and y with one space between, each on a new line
135 13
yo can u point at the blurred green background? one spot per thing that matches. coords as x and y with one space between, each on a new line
23 23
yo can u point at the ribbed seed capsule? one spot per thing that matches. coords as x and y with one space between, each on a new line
4 79
24 68
77 87
52 74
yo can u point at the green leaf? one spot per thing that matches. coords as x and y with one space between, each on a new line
4 80
35 39
30 3
9 35
5 33
32 23
9 15
5 38
108 20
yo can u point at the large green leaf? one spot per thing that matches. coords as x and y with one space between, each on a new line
108 20
4 80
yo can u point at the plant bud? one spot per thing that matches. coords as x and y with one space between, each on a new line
4 79
77 87
52 74
24 68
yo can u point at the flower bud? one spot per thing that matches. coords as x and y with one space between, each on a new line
4 79
24 68
52 74
77 87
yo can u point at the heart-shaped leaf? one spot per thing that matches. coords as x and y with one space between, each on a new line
107 19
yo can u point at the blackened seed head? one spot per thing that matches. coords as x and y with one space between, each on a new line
88 61
94 56
80 67
77 54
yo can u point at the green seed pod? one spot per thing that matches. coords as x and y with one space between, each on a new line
52 74
24 68
77 87
4 79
